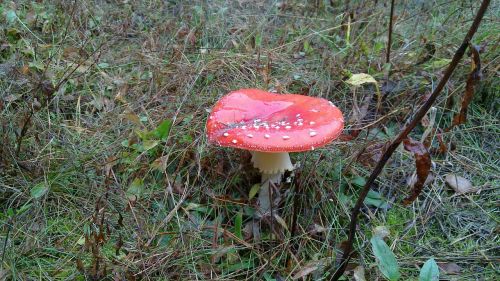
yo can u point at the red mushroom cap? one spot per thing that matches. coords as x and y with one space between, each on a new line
257 120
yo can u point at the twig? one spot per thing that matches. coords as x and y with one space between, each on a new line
4 249
24 130
404 133
389 36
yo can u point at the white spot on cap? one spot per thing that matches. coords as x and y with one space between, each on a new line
250 135
312 147
288 127
267 136
286 137
225 134
312 134
312 123
234 141
314 110
298 115
244 127
300 124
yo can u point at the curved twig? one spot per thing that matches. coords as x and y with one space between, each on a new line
404 133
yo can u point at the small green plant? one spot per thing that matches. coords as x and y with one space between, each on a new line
388 264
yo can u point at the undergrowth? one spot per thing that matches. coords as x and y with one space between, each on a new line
106 173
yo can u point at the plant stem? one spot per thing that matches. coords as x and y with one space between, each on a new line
404 133
389 36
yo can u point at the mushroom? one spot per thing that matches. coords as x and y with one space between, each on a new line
270 126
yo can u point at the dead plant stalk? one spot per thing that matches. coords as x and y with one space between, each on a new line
403 135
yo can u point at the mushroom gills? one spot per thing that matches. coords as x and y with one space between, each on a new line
271 163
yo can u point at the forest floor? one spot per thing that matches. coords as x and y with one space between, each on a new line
106 172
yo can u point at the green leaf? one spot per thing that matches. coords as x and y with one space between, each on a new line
10 16
39 190
438 63
23 209
358 181
36 65
387 262
430 271
373 194
360 79
238 222
258 40
375 199
244 264
253 191
149 144
103 65
161 132
307 47
136 189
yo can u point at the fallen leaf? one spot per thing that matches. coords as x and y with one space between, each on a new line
281 221
316 228
133 118
11 98
412 180
359 273
450 267
423 165
363 78
121 93
459 184
360 79
381 231
307 269
370 156
472 79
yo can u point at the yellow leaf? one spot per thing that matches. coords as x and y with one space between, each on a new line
360 79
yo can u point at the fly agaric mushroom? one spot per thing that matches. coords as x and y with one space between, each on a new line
270 126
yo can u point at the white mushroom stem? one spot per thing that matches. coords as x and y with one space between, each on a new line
271 166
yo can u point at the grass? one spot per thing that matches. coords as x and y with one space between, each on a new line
122 197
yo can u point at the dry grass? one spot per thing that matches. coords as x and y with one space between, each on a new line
125 66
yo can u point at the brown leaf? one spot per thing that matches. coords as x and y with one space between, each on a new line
412 180
370 156
442 146
423 165
450 267
80 266
472 79
459 184
308 269
120 220
108 166
118 245
359 273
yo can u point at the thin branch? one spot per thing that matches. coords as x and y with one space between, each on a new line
389 36
404 133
